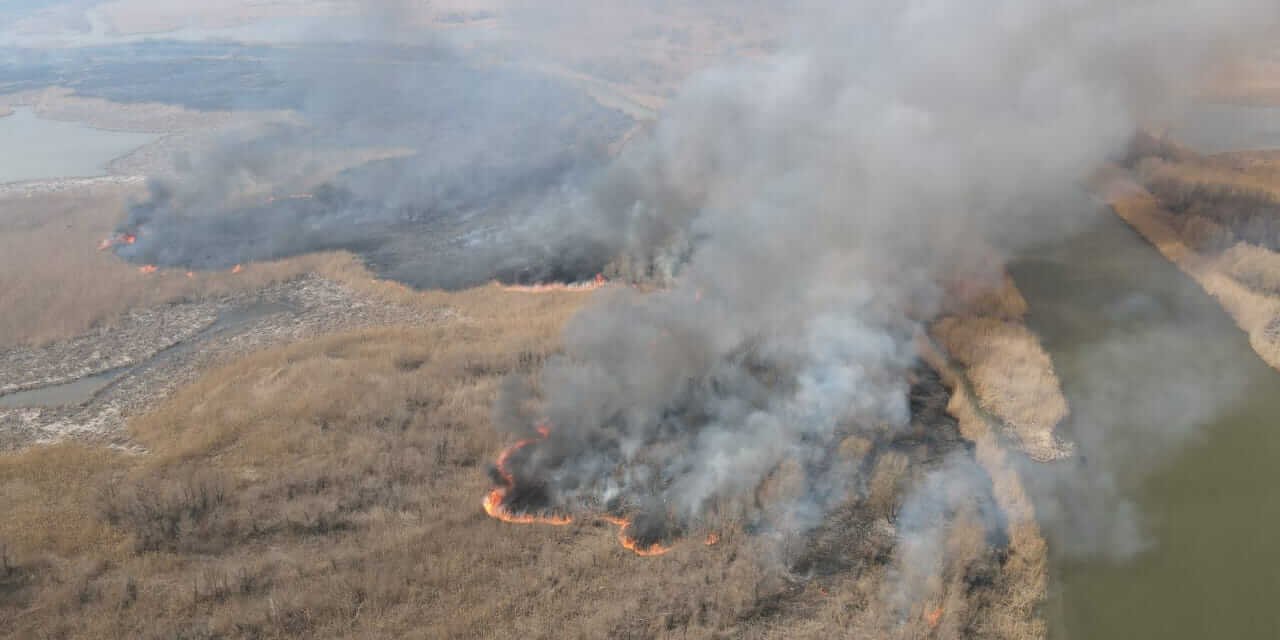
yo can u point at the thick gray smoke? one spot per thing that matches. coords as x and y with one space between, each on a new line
466 150
802 208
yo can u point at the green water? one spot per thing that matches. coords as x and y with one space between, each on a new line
1189 419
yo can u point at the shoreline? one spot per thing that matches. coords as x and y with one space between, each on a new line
1005 367
1254 313
1027 569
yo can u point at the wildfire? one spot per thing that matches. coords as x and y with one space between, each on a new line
493 502
191 274
549 287
713 538
933 617
237 269
148 269
649 550
123 238
495 507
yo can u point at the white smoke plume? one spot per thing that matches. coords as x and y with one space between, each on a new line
804 207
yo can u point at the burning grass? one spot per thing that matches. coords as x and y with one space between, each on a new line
55 285
1023 580
333 488
330 489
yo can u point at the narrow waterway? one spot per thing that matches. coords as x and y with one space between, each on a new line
1167 525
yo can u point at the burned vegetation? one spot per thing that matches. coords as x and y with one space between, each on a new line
374 526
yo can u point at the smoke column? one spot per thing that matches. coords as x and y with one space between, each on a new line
802 209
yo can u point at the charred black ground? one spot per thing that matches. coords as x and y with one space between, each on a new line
489 147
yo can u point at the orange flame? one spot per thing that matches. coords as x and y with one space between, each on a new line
124 238
237 269
655 549
191 274
933 617
713 538
148 269
628 542
493 502
549 287
495 508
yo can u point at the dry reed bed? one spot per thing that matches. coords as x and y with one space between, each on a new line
331 488
1224 276
1025 574
1008 368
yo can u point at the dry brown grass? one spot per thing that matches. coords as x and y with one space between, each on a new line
1217 200
1012 375
1254 267
1218 219
55 284
332 488
1194 179
1240 279
1023 581
1004 302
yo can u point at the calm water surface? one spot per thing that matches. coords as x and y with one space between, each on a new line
33 148
1206 483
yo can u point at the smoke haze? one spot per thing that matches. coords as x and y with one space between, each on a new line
809 203
801 210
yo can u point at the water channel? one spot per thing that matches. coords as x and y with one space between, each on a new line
1172 524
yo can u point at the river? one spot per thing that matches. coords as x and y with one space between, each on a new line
39 149
1174 415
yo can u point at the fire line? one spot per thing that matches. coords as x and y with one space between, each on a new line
495 507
